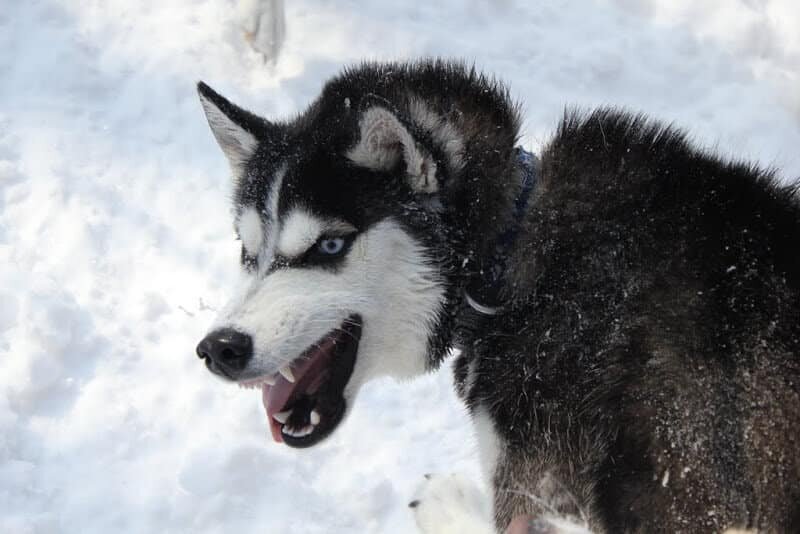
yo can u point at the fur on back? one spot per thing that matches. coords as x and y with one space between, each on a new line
648 377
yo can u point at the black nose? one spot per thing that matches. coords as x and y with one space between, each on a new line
226 351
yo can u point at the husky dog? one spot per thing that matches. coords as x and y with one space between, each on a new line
628 319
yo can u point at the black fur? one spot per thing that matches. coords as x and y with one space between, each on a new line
646 373
653 355
321 177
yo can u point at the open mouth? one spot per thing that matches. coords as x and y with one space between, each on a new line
305 399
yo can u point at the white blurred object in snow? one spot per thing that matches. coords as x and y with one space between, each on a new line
264 24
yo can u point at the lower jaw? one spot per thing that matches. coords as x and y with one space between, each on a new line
334 416
326 391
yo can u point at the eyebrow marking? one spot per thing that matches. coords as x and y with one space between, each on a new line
300 229
272 225
250 231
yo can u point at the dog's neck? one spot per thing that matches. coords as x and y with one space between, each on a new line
487 292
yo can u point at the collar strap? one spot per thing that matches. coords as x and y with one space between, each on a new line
483 292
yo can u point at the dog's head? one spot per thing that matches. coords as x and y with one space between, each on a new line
343 247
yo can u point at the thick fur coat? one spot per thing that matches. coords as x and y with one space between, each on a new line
644 374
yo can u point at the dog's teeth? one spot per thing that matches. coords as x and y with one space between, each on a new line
297 432
286 373
315 417
270 380
282 417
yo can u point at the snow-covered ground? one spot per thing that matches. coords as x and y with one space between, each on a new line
116 244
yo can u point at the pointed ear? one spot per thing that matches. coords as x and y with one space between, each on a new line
384 142
237 130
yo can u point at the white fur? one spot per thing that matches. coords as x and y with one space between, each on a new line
299 230
452 504
444 134
250 231
386 278
563 525
384 140
237 143
272 222
489 442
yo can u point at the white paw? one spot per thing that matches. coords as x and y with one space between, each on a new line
452 504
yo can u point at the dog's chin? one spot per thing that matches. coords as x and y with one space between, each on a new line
305 407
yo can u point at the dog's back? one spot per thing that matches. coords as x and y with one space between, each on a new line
659 335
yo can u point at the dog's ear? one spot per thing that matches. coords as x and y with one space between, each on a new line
385 142
237 131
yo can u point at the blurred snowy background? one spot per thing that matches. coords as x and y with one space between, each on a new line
116 244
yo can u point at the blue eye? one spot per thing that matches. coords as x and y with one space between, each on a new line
328 250
331 245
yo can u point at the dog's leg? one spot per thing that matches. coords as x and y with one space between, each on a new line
451 504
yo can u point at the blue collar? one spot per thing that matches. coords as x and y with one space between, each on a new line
482 293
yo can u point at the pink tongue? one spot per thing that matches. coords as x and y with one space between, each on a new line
274 426
275 397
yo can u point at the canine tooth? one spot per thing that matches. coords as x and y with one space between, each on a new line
270 380
286 372
315 417
281 417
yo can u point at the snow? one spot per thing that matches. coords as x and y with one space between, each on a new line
116 246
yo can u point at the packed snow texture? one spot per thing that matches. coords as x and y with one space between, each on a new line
116 245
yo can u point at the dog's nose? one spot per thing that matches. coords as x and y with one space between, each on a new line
228 349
